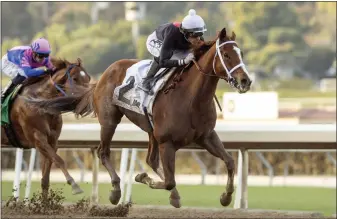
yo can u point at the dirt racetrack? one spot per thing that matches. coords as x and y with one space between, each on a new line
52 206
120 211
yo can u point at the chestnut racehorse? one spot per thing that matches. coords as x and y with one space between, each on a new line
185 114
35 129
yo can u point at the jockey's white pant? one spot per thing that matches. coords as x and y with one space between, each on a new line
10 69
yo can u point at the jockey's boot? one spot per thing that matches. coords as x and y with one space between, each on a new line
146 84
8 89
11 85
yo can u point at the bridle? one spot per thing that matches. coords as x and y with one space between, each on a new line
71 66
229 79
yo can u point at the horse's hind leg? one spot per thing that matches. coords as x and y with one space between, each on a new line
48 151
109 119
213 145
152 160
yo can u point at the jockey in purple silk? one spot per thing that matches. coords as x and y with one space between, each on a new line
23 62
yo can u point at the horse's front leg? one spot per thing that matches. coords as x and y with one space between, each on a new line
213 145
152 160
167 155
40 140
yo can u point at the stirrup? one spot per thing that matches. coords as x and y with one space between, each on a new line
146 89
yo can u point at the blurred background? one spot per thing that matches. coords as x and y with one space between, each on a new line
289 48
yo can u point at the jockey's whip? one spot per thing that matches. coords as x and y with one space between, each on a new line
148 118
217 101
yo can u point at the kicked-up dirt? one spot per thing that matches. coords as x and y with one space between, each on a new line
52 206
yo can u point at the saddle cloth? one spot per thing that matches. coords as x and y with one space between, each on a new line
6 105
129 96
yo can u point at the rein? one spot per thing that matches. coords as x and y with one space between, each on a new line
70 81
203 72
177 78
212 75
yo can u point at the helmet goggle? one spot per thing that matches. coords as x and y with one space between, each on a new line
195 34
42 55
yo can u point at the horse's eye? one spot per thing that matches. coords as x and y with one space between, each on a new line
226 56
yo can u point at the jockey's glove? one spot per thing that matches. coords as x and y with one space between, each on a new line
44 68
188 58
50 71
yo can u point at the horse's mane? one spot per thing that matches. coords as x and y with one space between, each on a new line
59 63
202 49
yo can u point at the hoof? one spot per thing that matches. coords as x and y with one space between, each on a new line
225 199
77 190
139 178
175 202
114 197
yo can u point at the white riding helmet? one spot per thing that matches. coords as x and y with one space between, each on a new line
193 23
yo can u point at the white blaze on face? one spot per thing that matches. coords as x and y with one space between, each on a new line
238 51
82 73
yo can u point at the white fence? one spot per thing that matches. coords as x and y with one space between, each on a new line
236 137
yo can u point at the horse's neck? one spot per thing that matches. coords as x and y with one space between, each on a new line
43 88
203 87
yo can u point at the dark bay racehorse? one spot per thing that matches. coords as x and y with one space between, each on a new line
181 116
35 129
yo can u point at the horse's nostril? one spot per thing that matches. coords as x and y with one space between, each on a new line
244 82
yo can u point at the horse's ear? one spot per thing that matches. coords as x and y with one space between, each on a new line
79 62
223 33
233 36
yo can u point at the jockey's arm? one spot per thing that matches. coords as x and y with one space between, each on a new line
168 49
29 71
50 65
33 72
166 54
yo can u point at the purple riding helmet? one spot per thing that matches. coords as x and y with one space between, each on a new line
41 46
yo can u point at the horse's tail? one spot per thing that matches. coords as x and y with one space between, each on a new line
80 104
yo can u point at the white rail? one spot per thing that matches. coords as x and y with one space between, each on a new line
238 137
